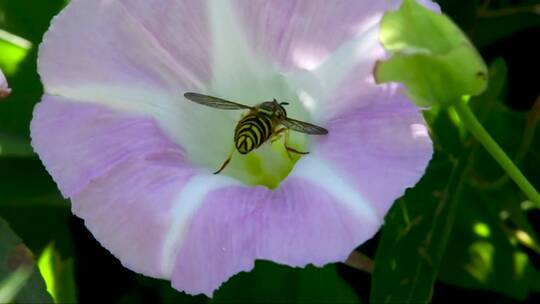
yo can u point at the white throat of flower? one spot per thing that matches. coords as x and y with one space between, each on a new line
241 76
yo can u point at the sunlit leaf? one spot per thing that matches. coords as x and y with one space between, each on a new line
415 234
482 252
485 250
14 50
58 275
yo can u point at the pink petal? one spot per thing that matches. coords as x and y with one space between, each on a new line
4 89
301 33
297 224
319 46
148 45
120 171
79 142
382 148
128 210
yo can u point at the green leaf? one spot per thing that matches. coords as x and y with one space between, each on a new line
166 292
27 282
415 234
431 56
272 283
482 251
477 249
416 231
14 50
58 275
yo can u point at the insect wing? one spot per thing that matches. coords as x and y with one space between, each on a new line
303 127
215 102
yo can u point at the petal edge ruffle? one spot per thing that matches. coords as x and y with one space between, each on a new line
297 224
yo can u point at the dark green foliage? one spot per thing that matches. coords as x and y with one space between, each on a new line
456 225
272 283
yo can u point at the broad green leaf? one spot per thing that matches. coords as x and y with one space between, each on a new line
514 131
272 283
415 234
417 228
480 253
431 56
13 256
483 251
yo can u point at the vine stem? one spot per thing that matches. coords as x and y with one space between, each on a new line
477 130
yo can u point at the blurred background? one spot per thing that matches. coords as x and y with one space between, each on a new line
478 240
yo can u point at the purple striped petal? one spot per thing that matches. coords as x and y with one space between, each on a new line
129 210
120 171
297 224
382 148
79 142
126 45
300 33
335 198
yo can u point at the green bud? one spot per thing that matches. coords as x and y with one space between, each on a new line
430 55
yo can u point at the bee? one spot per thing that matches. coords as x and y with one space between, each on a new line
265 121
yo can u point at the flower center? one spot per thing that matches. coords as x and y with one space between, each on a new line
267 164
242 74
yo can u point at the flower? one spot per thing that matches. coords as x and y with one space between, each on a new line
4 89
136 158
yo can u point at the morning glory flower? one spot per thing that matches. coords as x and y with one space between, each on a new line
136 158
4 88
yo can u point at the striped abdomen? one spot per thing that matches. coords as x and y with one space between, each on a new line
252 131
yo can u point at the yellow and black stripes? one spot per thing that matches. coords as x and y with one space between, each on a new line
252 131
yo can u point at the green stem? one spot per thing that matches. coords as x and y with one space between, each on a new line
474 126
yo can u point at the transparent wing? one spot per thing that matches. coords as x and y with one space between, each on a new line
303 127
214 102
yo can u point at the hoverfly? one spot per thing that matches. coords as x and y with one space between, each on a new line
260 124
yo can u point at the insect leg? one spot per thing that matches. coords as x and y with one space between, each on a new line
277 134
225 163
289 149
